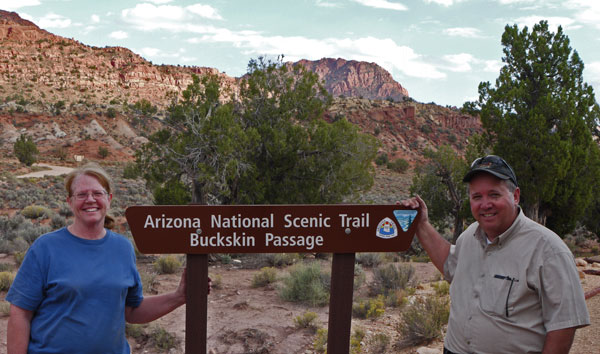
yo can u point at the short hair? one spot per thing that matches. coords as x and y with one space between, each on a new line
92 170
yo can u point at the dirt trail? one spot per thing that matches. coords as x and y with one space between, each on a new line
53 171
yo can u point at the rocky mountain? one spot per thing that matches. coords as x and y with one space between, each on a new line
73 98
352 78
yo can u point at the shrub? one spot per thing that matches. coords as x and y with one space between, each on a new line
6 279
388 278
356 340
35 212
111 112
398 165
25 150
4 308
5 267
369 259
19 257
320 343
216 281
381 159
422 321
306 283
57 221
442 288
307 320
131 171
370 309
266 276
282 259
148 281
167 264
136 331
103 152
378 343
163 340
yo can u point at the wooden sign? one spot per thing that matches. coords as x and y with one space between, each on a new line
204 229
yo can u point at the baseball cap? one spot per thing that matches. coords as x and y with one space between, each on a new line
494 165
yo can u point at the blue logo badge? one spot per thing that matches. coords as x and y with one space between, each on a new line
405 218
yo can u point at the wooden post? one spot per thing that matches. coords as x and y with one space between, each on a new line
196 314
340 303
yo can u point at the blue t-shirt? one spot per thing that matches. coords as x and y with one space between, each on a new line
78 290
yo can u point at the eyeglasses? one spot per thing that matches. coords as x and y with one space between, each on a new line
95 194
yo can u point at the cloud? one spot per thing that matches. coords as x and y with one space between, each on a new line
459 62
383 4
385 52
159 2
466 32
587 12
325 3
95 18
118 35
53 20
510 2
205 11
592 72
11 5
446 3
148 17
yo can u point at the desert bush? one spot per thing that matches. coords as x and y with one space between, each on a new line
6 279
369 309
148 281
36 211
390 277
282 259
103 152
381 159
442 288
216 281
65 210
359 276
25 150
306 283
19 257
378 343
57 221
369 259
131 171
30 232
398 165
163 340
6 267
307 320
4 308
266 276
356 341
320 343
397 298
137 332
422 321
168 264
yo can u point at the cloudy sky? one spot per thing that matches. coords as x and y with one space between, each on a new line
439 50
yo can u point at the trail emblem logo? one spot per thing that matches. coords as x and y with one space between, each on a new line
387 228
405 218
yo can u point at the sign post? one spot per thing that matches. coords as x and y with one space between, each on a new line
199 230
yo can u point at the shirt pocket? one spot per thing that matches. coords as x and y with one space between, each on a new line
498 293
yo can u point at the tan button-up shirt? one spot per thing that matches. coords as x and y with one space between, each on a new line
505 296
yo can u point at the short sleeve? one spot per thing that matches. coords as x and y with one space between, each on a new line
135 292
451 263
27 289
562 298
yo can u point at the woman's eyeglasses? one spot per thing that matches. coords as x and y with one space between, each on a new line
95 194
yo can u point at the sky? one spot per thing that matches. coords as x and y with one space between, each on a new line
439 50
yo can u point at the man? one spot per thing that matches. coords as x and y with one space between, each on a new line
514 285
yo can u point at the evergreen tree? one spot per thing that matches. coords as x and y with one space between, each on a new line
25 150
439 183
269 144
540 117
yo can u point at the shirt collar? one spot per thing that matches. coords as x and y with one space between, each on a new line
503 237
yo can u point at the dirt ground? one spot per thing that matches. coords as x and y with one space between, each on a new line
242 319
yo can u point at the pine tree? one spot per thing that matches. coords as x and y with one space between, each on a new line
25 150
540 116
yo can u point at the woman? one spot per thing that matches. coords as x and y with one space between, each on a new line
78 285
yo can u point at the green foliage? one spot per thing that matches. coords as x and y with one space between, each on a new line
369 309
131 171
398 165
103 152
423 320
271 145
36 211
356 340
320 343
4 308
25 150
144 108
6 279
389 277
168 264
282 259
111 112
306 283
57 107
369 259
307 320
440 184
540 116
266 276
378 343
163 340
172 193
441 288
382 159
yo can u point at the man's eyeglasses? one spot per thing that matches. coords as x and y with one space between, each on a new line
95 194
